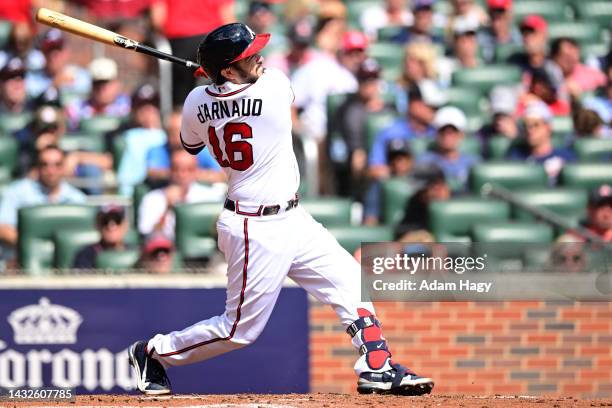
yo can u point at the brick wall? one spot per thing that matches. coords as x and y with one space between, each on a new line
480 348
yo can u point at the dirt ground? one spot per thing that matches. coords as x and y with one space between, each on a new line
319 400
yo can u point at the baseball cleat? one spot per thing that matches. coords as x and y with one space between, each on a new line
150 374
397 381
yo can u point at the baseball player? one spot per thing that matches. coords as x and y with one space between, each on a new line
244 118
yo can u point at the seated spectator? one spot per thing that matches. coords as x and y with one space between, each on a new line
420 67
593 118
158 158
113 226
45 186
435 188
544 87
399 157
260 16
300 36
599 219
350 122
464 49
538 146
501 30
105 99
158 255
565 53
420 113
422 28
156 209
146 133
503 101
19 45
450 123
468 9
57 71
534 31
391 13
13 98
568 255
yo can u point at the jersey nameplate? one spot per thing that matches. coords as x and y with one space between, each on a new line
229 109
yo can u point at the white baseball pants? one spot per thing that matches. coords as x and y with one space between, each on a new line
261 251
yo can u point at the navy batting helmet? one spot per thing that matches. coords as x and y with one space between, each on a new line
226 45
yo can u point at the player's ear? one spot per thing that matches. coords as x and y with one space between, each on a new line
228 73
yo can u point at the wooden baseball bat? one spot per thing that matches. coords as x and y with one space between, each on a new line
93 32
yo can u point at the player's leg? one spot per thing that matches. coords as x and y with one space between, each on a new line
257 266
332 275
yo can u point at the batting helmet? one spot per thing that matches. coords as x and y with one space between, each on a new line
227 44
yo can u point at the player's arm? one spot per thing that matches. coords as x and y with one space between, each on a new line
190 138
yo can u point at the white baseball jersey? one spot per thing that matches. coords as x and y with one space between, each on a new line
247 128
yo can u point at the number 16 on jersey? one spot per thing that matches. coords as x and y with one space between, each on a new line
244 159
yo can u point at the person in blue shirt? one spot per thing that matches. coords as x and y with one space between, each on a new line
538 146
450 123
420 113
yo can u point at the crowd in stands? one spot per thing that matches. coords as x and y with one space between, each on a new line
406 101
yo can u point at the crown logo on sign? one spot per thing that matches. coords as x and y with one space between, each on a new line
45 323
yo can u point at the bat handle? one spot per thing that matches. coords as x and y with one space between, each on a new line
168 57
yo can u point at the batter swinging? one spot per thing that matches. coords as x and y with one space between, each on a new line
244 118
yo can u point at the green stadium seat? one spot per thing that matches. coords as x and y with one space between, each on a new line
562 125
354 10
333 103
12 122
549 10
350 237
419 145
395 194
388 55
586 175
452 220
5 32
593 149
118 261
386 34
67 97
484 78
195 240
466 99
375 122
504 51
328 210
89 142
570 203
508 174
68 244
599 12
512 232
37 226
139 192
100 124
117 149
498 147
583 32
597 50
8 158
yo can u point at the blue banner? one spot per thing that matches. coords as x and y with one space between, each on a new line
77 338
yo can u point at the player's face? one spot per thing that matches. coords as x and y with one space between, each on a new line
249 69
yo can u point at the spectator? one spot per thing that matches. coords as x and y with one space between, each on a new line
57 71
156 212
501 30
399 157
599 214
46 186
158 157
467 9
260 16
185 23
422 29
503 102
435 188
13 98
146 133
20 46
350 122
565 53
544 84
534 31
450 123
158 255
420 66
113 226
538 146
464 49
392 13
568 255
106 98
300 36
593 118
421 110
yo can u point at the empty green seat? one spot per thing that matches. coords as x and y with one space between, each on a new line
567 202
395 194
118 261
5 32
195 229
8 158
498 147
452 220
599 12
508 174
387 33
562 124
68 244
12 122
512 232
586 175
419 145
329 211
350 237
593 149
466 99
583 32
485 77
100 124
549 10
388 55
375 123
89 142
37 227
504 51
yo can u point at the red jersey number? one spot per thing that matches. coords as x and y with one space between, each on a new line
232 147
